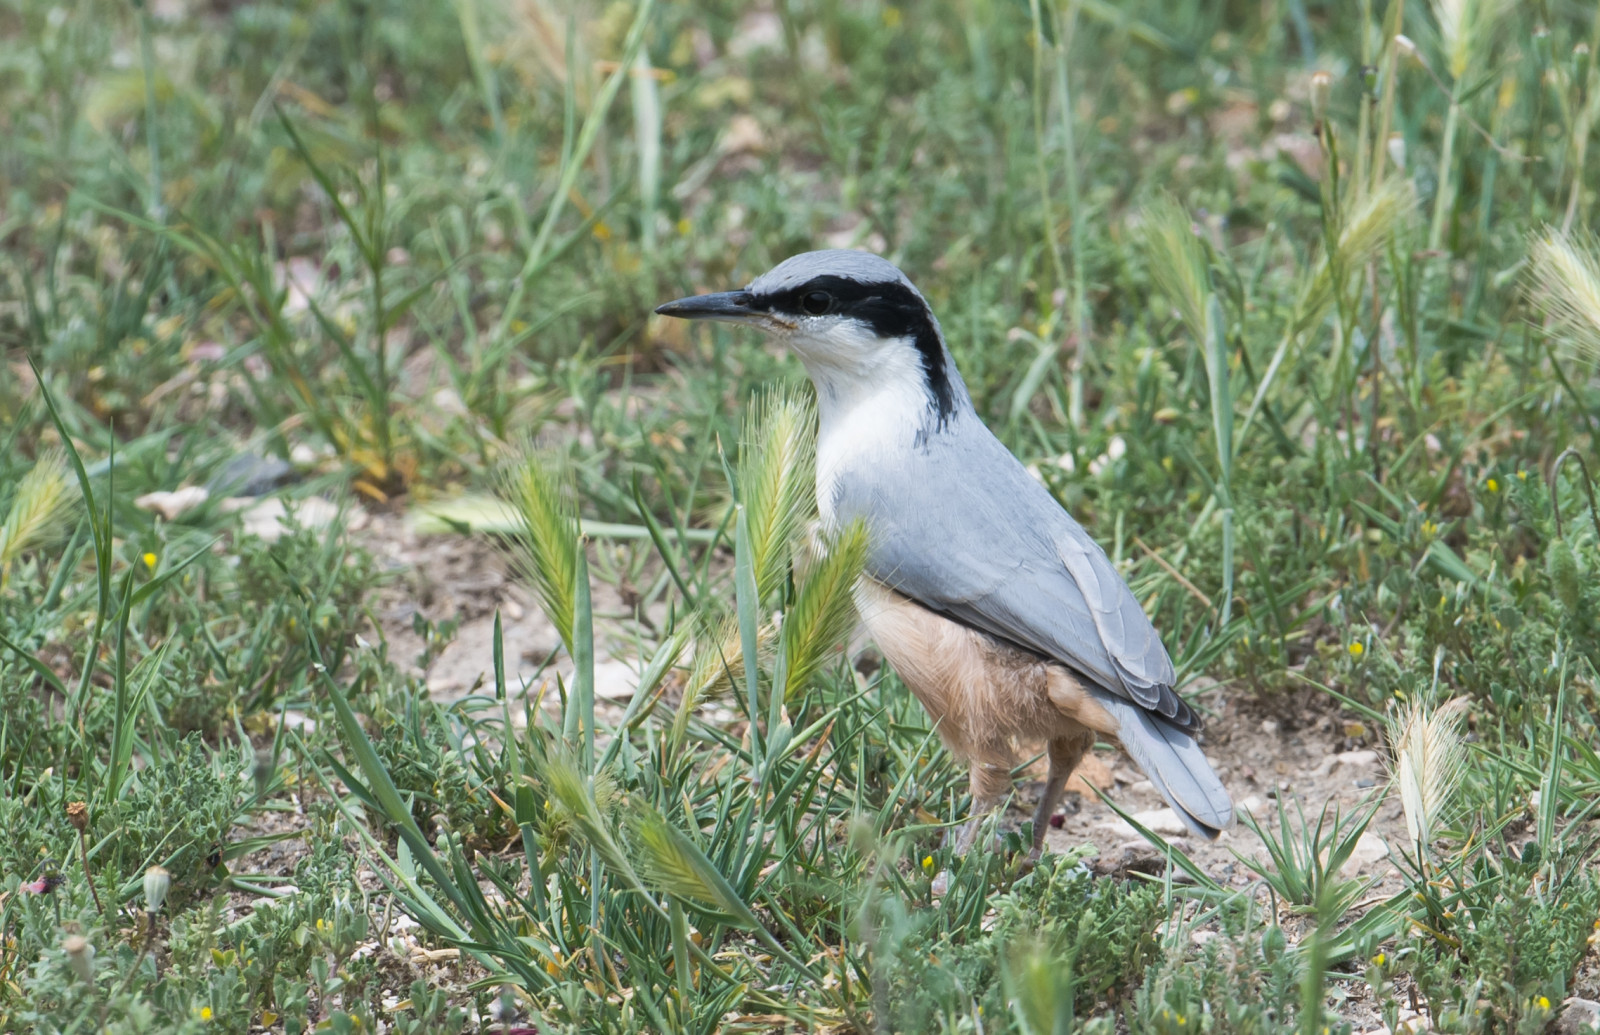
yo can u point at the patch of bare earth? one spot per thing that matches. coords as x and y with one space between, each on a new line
1297 747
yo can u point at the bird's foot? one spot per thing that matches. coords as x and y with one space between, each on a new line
967 837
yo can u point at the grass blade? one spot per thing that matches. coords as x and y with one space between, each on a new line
582 647
745 596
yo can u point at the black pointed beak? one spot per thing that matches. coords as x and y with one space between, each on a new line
729 306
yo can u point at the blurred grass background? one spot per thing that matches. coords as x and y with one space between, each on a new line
1292 303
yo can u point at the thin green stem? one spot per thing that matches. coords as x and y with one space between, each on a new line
1444 198
1041 164
1583 119
147 61
1080 304
1364 142
1391 27
472 37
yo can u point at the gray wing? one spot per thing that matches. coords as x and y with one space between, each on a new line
962 528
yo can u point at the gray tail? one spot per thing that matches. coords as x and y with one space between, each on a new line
1175 764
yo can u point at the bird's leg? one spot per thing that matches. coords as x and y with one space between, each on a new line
990 782
1065 754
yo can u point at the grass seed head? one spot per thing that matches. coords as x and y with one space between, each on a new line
776 483
1466 30
1565 281
585 803
34 518
824 609
1368 225
1430 759
1177 260
663 860
539 488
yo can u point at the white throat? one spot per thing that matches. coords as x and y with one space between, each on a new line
872 406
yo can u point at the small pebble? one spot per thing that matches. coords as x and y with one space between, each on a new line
1577 1016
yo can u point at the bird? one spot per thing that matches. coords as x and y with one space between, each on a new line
1003 617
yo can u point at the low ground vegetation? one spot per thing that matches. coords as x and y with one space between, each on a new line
1294 305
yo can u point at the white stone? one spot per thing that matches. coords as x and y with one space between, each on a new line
1578 1016
1350 760
170 505
1370 849
615 680
1119 829
1161 821
269 518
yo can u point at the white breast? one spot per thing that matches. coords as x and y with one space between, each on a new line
875 424
872 399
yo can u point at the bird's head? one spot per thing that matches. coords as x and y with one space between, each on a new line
853 319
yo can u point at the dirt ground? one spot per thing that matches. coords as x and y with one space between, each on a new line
1295 746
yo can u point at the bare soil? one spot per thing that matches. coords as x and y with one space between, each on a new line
1298 747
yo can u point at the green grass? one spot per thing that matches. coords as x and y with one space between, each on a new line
1313 377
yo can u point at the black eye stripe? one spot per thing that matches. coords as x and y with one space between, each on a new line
892 310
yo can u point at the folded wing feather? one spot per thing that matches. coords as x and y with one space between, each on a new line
965 530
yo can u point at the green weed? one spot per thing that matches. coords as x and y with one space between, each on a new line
1294 307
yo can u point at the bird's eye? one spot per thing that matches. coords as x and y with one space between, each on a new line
816 302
